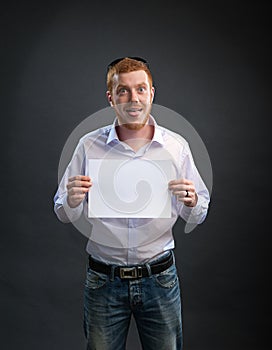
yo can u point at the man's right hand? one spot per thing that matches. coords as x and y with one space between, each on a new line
77 188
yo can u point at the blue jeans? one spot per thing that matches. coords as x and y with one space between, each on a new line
154 302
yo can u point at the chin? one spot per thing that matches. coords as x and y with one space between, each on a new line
134 126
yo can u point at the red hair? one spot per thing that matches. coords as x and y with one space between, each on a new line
127 65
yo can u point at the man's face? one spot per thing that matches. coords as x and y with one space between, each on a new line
131 98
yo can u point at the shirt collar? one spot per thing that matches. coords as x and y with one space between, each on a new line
112 132
157 137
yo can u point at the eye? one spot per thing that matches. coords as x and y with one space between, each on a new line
122 91
141 89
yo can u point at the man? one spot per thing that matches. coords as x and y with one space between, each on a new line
139 276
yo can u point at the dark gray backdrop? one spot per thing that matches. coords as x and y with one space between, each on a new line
210 64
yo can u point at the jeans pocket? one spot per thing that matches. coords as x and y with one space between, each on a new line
95 280
167 278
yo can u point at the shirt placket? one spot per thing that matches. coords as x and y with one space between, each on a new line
131 243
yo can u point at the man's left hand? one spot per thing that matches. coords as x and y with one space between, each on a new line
184 190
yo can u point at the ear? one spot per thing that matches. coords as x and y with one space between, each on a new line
152 92
109 98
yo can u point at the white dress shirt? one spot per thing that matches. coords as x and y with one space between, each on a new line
128 241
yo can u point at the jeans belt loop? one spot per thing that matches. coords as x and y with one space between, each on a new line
148 269
112 273
140 271
173 256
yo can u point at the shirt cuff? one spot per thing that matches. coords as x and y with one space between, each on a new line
72 213
197 214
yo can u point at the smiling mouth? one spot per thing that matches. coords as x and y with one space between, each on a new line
134 111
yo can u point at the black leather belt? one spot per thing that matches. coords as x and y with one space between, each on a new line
137 271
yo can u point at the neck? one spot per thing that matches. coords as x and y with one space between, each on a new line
135 138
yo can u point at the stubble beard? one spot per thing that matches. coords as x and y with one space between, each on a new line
137 126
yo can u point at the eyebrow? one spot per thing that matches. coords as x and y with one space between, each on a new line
126 86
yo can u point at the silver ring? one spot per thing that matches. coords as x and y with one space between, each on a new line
187 194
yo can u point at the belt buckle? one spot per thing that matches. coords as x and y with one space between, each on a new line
128 272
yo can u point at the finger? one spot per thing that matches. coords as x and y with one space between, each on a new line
77 190
80 184
79 178
190 201
77 197
182 188
178 188
182 194
77 183
187 201
179 182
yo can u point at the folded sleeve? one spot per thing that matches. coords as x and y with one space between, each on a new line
61 207
189 171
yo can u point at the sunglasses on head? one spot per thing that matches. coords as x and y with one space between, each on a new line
140 59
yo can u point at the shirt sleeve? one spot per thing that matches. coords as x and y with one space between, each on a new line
61 207
189 171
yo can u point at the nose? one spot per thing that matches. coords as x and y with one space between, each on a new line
134 96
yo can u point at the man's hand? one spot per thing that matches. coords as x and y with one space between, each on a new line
184 190
77 188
